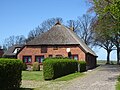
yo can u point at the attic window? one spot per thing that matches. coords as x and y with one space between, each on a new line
16 50
43 49
55 48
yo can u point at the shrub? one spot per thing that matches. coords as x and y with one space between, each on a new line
36 66
10 73
54 67
82 66
24 66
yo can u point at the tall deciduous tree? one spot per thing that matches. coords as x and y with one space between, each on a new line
110 7
102 35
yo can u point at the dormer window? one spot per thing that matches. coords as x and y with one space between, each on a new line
16 50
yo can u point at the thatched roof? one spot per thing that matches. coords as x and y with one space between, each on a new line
60 35
10 50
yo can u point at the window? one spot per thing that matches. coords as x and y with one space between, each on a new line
39 59
75 57
16 50
27 59
43 49
55 48
59 55
50 56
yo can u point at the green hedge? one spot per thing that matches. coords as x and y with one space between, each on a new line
54 67
10 73
82 66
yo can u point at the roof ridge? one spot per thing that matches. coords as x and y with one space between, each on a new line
72 34
58 23
80 40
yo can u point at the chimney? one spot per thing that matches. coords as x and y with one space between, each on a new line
58 23
72 28
72 25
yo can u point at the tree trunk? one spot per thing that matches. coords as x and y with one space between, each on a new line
108 57
118 55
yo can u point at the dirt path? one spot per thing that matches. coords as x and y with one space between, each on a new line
103 78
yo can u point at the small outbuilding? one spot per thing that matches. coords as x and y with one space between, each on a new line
12 51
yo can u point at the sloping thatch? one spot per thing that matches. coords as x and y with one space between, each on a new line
60 35
10 50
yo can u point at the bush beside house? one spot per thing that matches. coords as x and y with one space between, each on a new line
10 73
24 66
36 66
81 66
54 67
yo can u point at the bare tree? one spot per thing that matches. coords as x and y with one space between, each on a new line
44 26
82 27
72 24
34 33
84 31
13 40
20 40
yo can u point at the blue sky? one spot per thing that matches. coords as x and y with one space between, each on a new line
18 17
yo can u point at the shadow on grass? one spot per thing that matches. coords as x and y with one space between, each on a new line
26 89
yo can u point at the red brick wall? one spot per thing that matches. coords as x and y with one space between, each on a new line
36 50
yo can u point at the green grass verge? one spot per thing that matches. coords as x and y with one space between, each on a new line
38 76
32 75
70 76
118 84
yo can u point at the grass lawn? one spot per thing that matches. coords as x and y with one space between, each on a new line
33 80
38 76
118 84
32 75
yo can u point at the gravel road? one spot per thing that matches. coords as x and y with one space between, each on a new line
102 78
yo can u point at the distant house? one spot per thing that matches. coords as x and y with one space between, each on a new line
12 51
1 52
59 41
